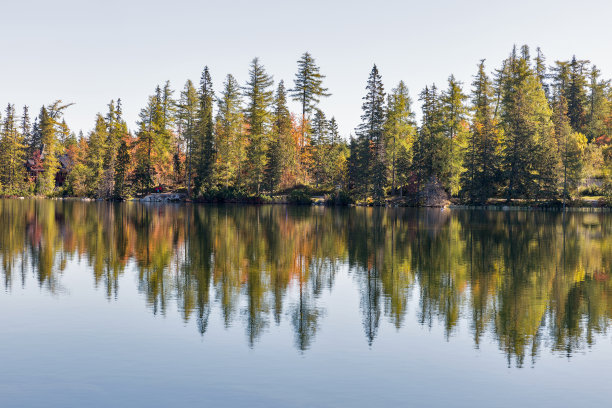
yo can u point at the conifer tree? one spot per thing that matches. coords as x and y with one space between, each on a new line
541 71
308 90
529 160
48 123
455 114
121 169
151 142
205 136
229 135
278 156
259 98
371 135
12 154
598 106
337 157
576 94
400 131
319 148
96 152
334 133
46 180
570 146
479 182
432 150
26 126
187 123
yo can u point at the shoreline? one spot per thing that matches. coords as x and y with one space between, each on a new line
321 203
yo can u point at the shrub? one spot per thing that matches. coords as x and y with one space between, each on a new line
299 196
341 198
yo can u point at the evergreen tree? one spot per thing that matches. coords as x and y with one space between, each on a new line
432 151
541 71
529 159
400 131
278 153
576 94
151 142
357 166
187 123
479 182
205 136
121 169
338 156
308 90
320 148
570 146
334 133
598 106
26 126
96 153
257 113
372 137
12 154
48 123
229 135
455 113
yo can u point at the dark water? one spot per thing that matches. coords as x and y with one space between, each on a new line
132 305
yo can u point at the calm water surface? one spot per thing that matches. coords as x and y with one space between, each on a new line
134 305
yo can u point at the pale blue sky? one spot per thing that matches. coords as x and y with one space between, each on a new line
90 52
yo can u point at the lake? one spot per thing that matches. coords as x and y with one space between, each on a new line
124 304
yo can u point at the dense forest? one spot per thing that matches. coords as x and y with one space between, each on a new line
528 130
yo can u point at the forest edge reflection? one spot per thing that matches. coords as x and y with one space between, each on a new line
531 280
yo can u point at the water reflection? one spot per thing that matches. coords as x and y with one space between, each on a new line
528 280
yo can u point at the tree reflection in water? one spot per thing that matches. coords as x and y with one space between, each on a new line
529 279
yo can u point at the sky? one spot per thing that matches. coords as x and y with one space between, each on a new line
89 52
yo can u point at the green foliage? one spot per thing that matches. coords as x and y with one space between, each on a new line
230 147
340 198
259 98
532 133
299 196
204 142
123 161
480 180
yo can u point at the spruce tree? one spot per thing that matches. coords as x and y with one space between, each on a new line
205 136
570 147
278 153
320 148
598 106
372 137
529 159
432 149
26 126
151 142
229 142
308 90
121 168
97 148
455 114
259 98
12 154
187 120
400 131
46 180
576 94
541 71
479 181
48 128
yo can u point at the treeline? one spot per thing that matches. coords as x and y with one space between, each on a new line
528 131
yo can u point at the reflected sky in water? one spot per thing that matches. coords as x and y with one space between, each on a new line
132 305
